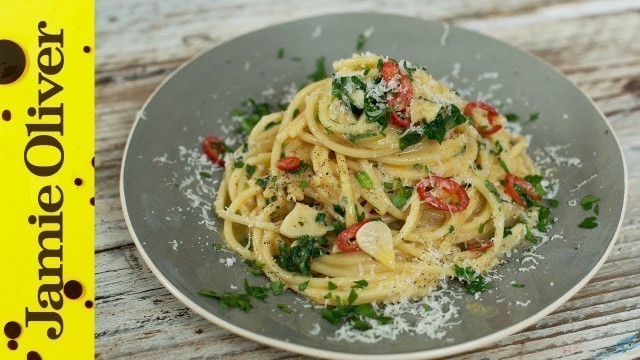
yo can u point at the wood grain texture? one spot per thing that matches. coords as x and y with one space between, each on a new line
594 43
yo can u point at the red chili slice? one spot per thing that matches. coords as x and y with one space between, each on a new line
214 149
511 181
401 98
425 187
346 239
389 70
289 163
400 120
476 246
492 115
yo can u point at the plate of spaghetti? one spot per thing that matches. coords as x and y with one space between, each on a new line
344 187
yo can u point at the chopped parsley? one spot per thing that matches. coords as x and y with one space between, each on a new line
411 138
348 88
355 315
499 149
205 174
338 227
388 185
376 111
296 112
448 118
352 296
451 229
345 88
536 181
280 53
256 291
410 69
255 267
362 40
331 285
529 236
493 190
481 228
250 169
320 217
303 286
272 124
356 137
516 285
229 299
359 284
263 181
534 116
284 308
297 258
303 184
364 180
250 117
507 231
360 216
472 281
543 218
511 117
277 288
461 151
238 164
588 201
401 196
588 223
304 166
503 166
237 112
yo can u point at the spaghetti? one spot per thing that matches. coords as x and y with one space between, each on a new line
379 173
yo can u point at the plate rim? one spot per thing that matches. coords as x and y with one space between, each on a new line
311 351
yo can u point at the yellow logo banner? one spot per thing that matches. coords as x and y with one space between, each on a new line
47 179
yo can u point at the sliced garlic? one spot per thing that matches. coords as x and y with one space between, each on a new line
375 239
423 109
302 221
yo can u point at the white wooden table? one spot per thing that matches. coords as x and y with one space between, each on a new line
594 43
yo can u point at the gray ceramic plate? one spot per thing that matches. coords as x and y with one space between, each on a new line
170 229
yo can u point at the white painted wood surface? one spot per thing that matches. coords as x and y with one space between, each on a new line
139 42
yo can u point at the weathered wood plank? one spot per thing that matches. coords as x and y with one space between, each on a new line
157 31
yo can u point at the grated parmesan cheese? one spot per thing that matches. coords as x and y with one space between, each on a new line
368 32
174 245
432 324
316 32
228 262
445 34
